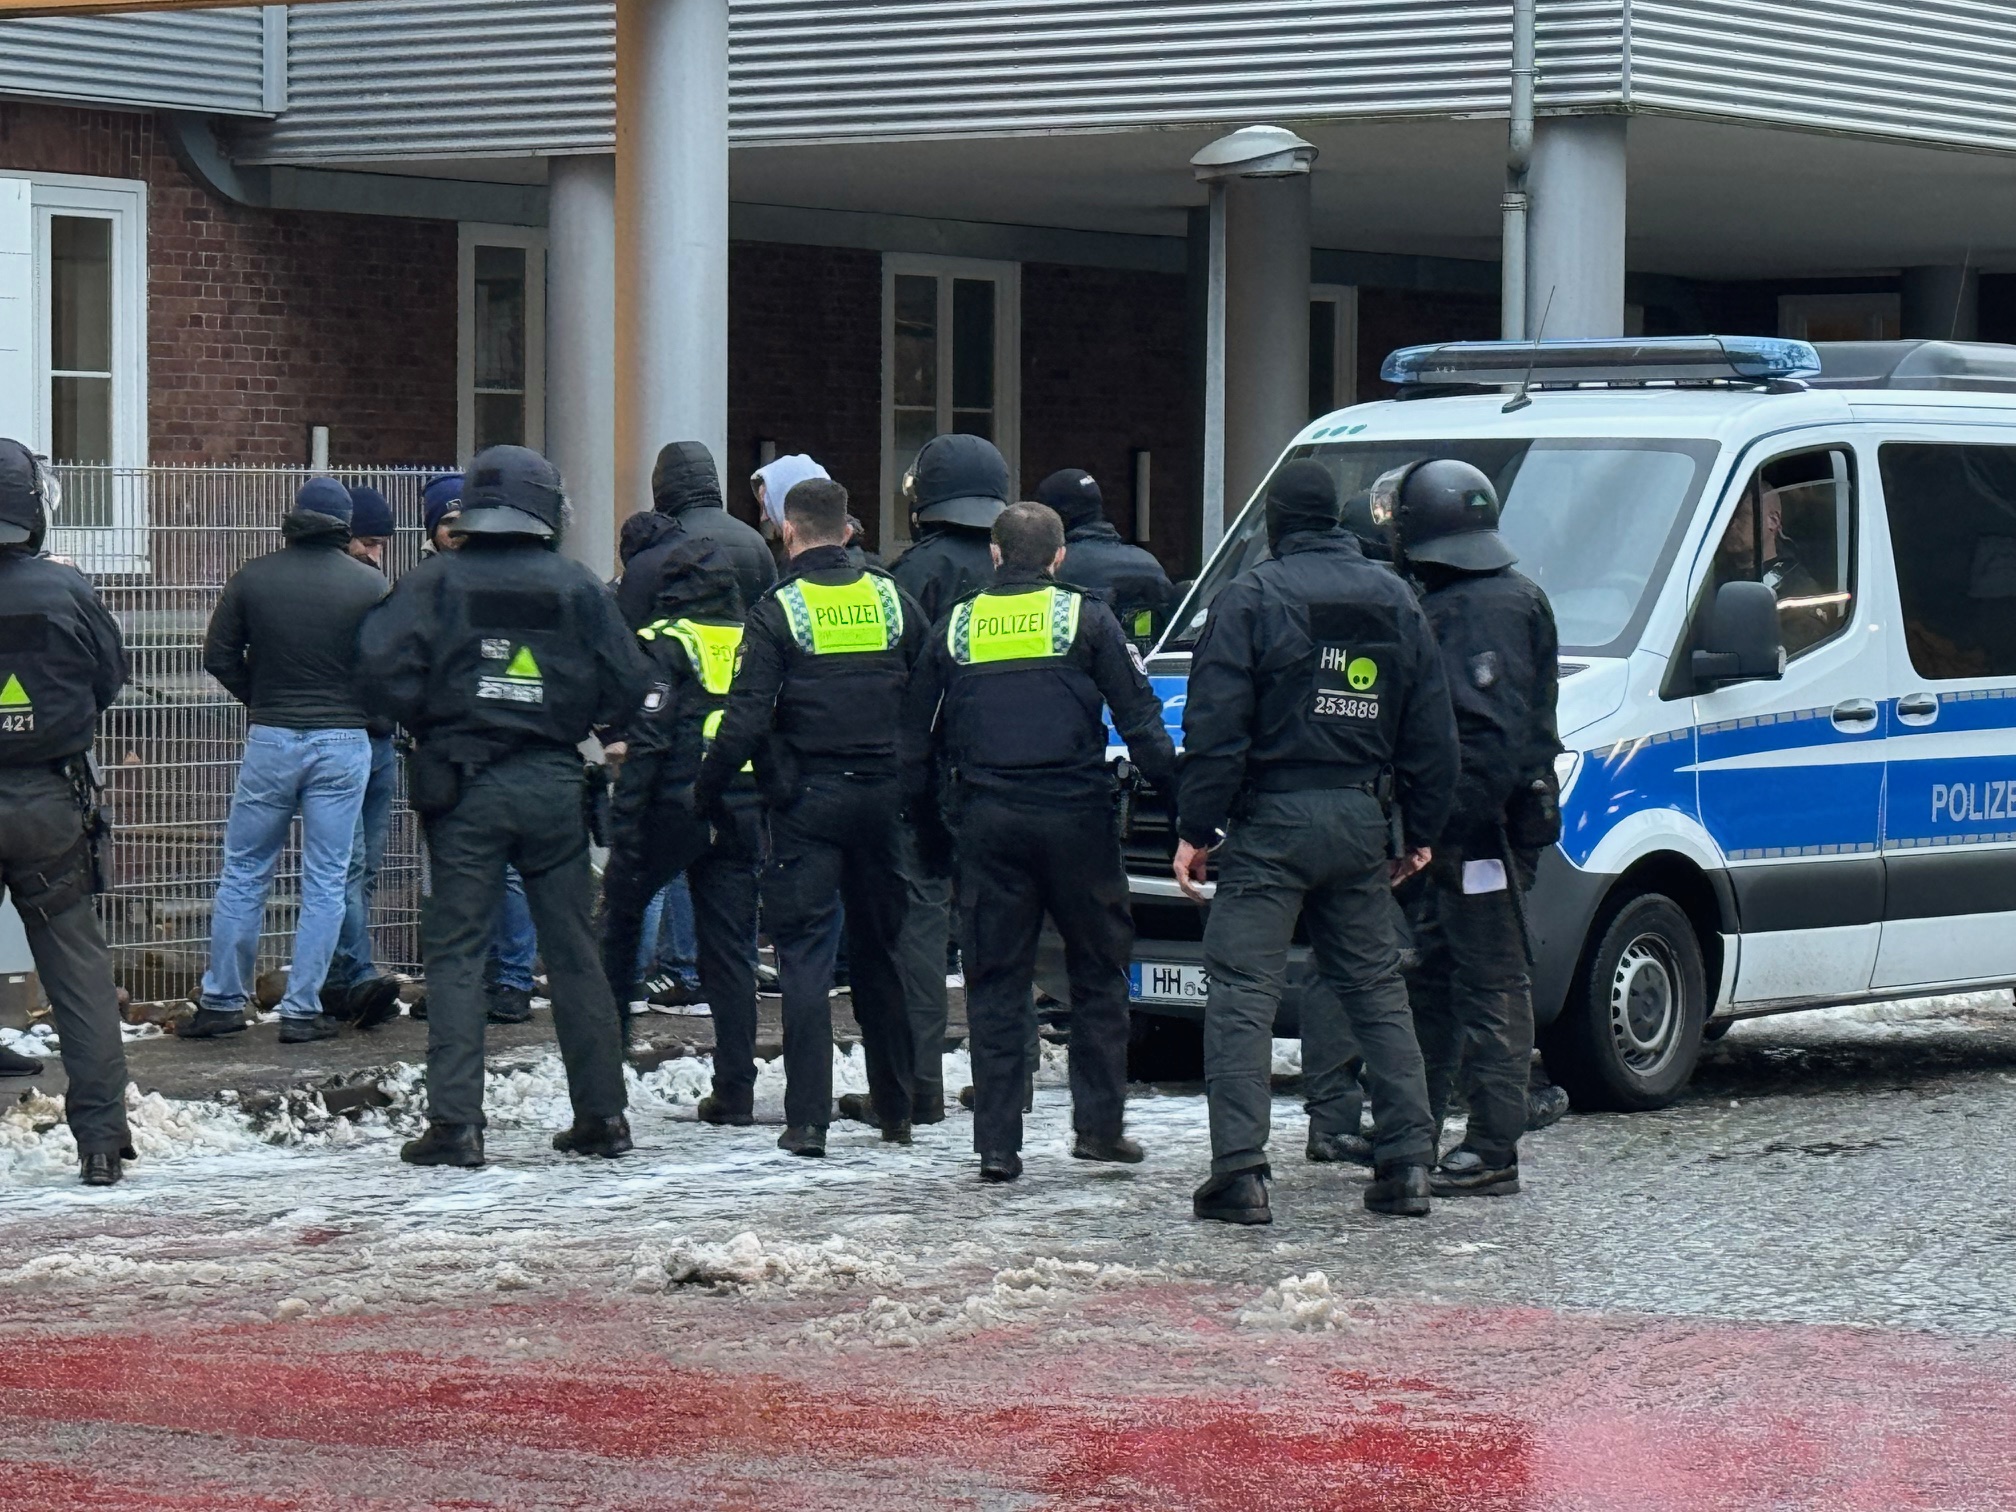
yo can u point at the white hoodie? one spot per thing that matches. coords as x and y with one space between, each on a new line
779 478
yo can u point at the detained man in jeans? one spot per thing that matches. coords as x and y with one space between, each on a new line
283 642
354 991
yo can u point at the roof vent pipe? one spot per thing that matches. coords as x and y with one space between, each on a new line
1518 161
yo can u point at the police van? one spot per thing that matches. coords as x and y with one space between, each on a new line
1785 582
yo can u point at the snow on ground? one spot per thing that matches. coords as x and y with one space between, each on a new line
1904 1018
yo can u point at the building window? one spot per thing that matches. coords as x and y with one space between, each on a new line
502 339
73 353
1333 348
951 361
1840 317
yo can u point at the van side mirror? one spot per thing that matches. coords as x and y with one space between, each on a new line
1740 639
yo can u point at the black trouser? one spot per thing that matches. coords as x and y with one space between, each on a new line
524 811
1473 1009
1016 863
836 847
48 876
1320 856
654 841
927 924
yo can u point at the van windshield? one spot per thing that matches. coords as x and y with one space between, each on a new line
1596 523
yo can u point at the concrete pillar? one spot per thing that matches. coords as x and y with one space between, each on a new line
1942 302
671 235
581 351
1266 327
1575 245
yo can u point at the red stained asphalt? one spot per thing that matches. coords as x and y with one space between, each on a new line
1163 1402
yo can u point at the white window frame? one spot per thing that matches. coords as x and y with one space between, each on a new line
533 239
1343 300
1007 280
121 547
1876 311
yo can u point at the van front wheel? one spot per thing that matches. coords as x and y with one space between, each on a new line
1630 1034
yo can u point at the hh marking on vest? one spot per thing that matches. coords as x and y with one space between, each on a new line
17 711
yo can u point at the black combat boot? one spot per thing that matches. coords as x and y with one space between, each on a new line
1003 1165
1400 1191
101 1167
857 1107
1116 1147
445 1145
716 1109
18 1065
211 1023
801 1139
1544 1106
510 1005
1465 1173
606 1137
1339 1149
1235 1197
306 1031
896 1133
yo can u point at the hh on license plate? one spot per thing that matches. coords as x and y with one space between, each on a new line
1165 982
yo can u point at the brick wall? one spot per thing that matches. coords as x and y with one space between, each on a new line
261 323
805 366
1391 318
1104 374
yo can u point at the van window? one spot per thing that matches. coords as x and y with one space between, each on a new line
1596 522
1953 531
1794 528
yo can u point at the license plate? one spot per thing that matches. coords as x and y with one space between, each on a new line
1166 982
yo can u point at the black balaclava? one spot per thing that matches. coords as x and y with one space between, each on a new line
1301 497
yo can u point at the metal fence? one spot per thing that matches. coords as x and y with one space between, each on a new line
159 542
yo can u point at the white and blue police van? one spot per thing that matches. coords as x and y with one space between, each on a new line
1785 582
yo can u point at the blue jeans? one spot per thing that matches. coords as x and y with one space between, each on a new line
353 962
514 947
321 775
670 942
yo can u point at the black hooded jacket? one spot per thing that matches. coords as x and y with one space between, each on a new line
283 638
1126 578
61 660
667 735
946 563
685 487
1316 669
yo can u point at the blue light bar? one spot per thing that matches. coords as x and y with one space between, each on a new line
1672 359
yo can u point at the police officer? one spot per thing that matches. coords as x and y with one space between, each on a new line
1314 677
500 658
1011 691
1129 579
826 656
956 487
61 665
1472 998
655 832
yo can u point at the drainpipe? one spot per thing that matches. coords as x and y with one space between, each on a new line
1518 162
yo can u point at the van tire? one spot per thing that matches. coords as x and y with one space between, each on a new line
1630 1034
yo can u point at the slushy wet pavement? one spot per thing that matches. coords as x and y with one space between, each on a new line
1790 1289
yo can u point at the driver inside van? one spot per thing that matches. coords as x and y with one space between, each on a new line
1757 549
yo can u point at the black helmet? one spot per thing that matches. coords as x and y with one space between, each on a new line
957 480
512 491
1373 539
1443 511
29 494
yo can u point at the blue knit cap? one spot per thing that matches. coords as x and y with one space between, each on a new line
324 496
439 499
370 513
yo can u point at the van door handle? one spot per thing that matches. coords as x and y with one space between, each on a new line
1855 715
1918 708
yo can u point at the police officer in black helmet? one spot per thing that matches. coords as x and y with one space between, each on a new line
1314 678
956 488
501 658
1471 993
61 665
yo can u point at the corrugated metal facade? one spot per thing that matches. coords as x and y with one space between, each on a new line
1939 71
211 61
445 78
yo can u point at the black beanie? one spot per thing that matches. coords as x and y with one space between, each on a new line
1301 496
1074 495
